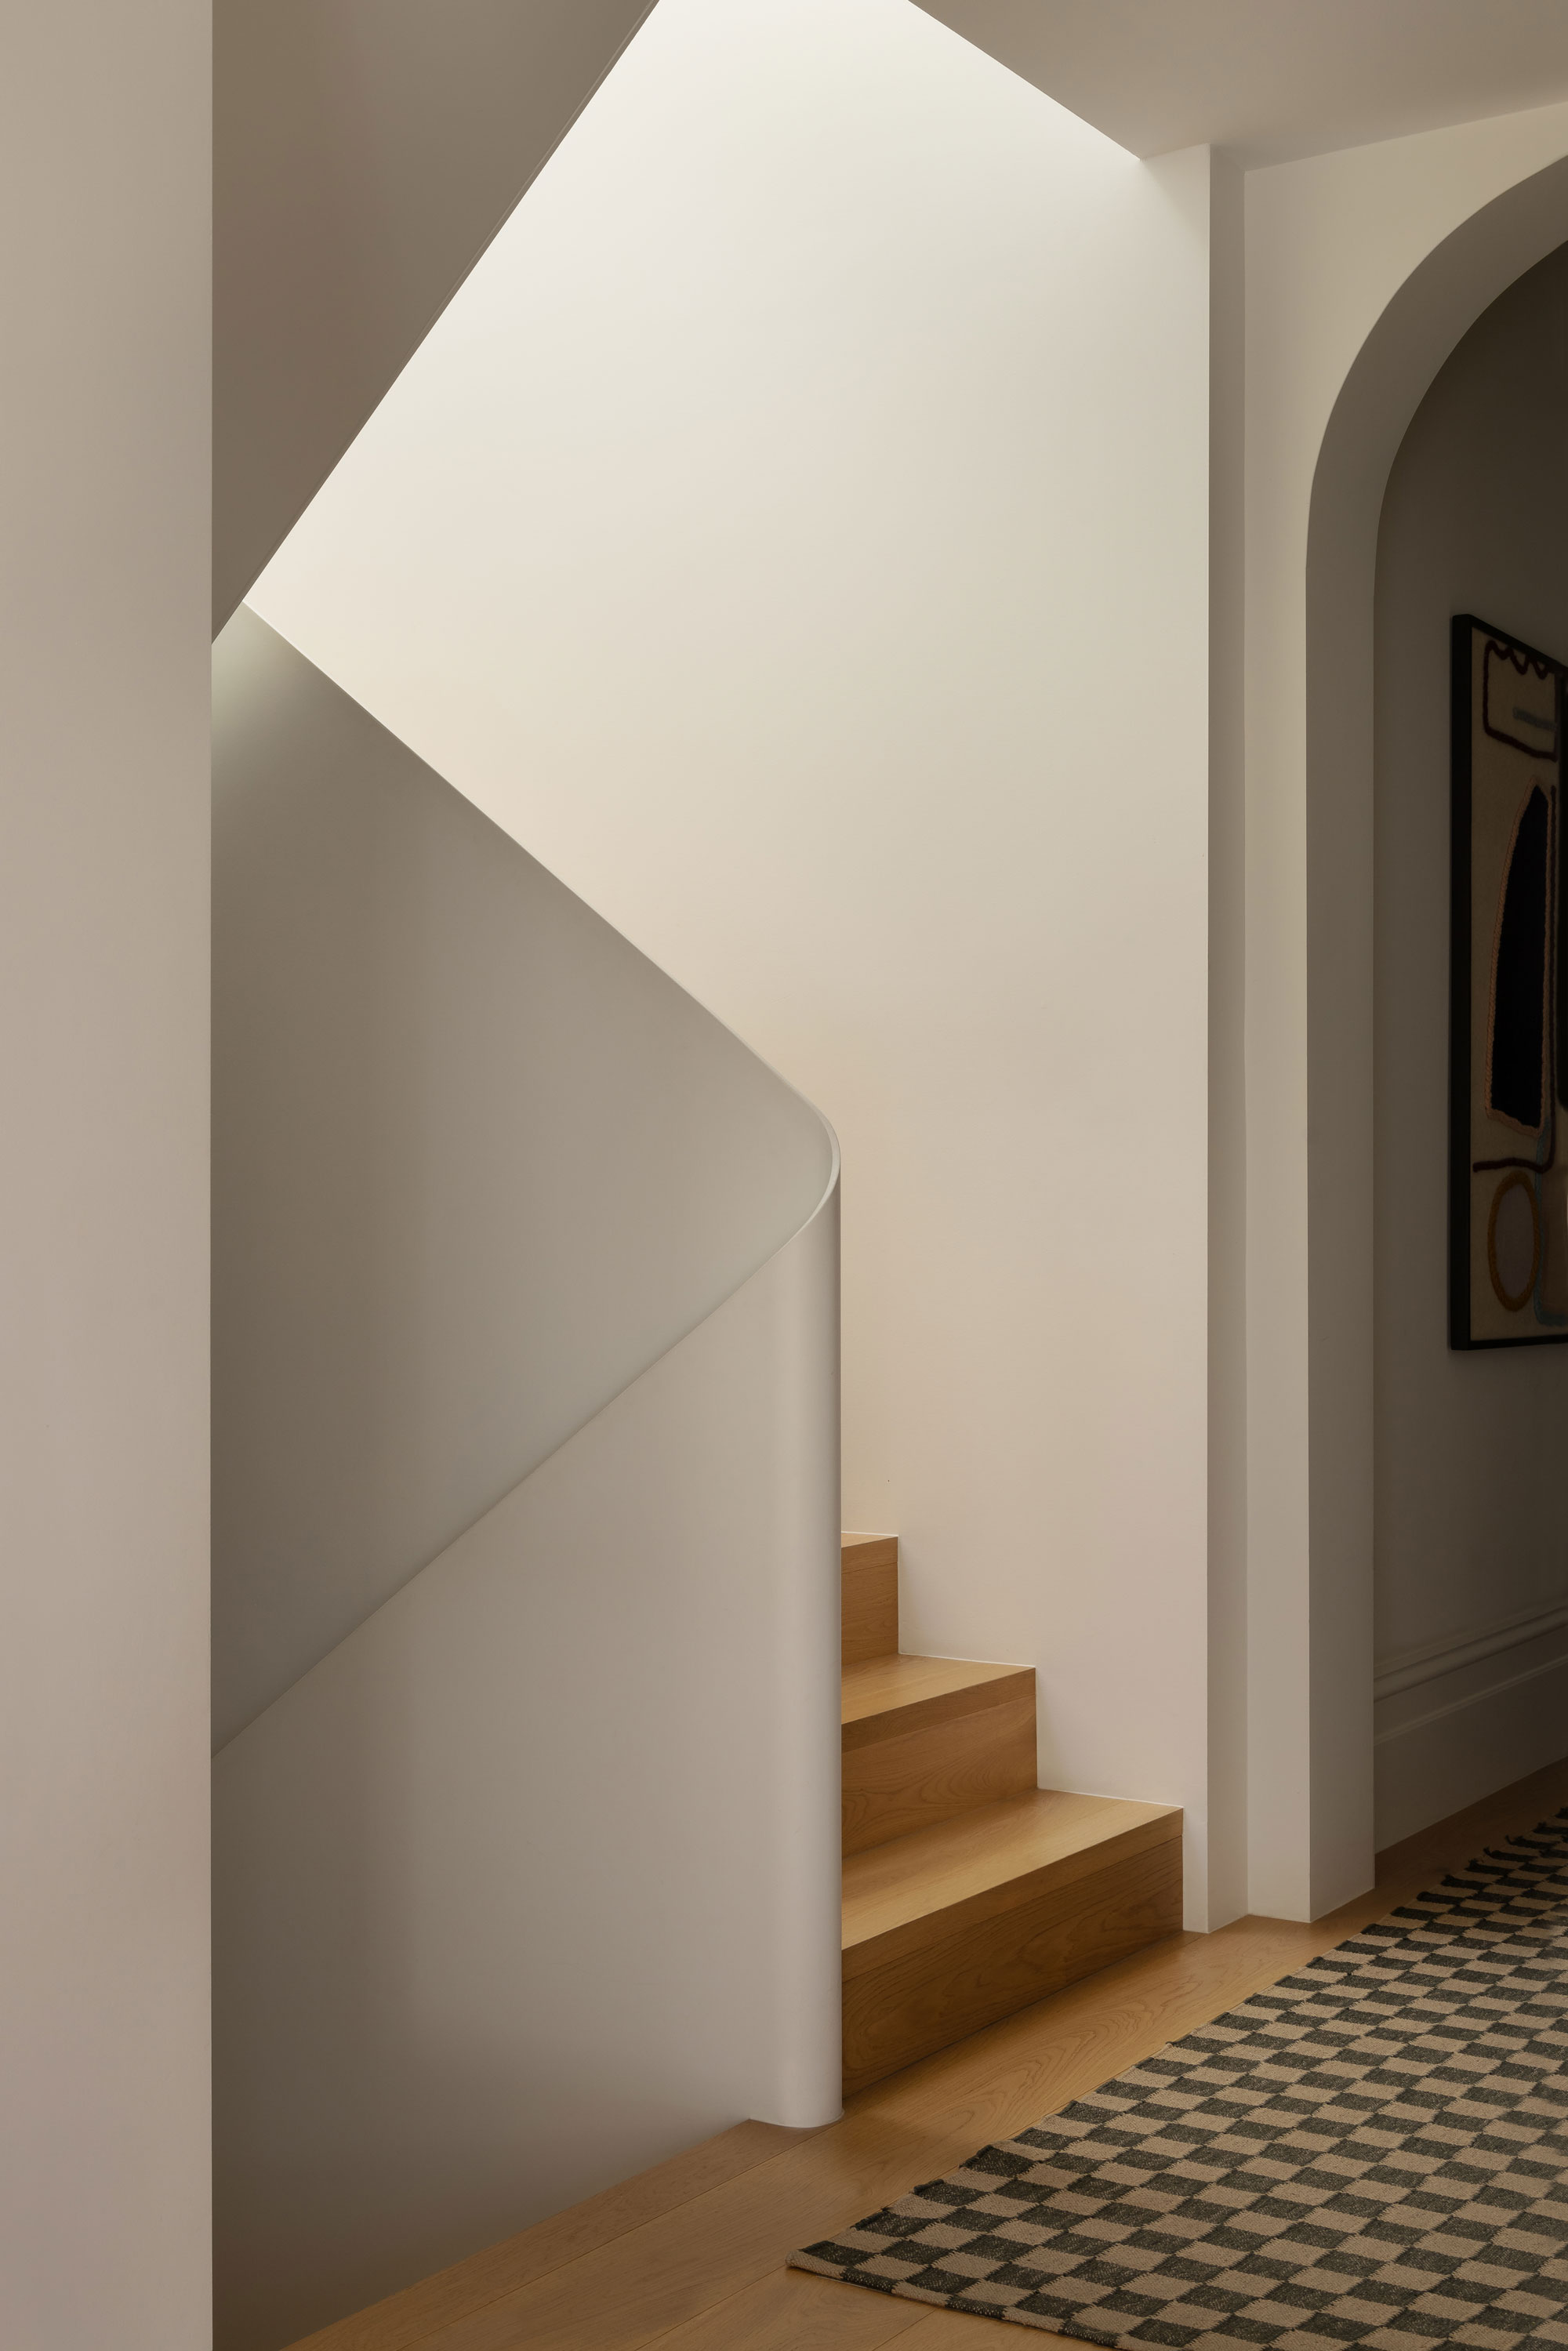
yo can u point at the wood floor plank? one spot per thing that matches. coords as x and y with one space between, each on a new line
630 2292
782 2312
918 2124
946 2330
691 2258
406 2320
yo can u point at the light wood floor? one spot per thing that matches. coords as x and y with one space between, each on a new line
690 2255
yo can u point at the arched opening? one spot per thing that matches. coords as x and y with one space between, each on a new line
1468 1572
1391 375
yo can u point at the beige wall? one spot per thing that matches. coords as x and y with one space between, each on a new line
1471 1538
104 185
795 534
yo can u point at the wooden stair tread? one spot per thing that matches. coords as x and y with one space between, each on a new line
968 1893
899 1685
1002 1850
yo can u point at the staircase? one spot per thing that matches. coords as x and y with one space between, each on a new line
968 1892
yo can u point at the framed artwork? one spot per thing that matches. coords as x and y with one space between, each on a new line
1507 1185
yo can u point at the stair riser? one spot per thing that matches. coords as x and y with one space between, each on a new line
869 1608
909 1780
903 2004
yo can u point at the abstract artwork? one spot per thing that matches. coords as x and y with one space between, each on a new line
1508 1192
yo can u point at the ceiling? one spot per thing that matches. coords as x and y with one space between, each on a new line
1274 80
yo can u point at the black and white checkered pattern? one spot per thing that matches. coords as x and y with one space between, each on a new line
1373 2151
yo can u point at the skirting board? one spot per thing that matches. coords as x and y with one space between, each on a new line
1457 1750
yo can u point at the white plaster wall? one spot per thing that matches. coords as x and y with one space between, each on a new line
795 534
104 276
1330 243
1469 1527
533 1880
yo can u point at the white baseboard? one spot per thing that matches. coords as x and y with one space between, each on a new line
1458 1736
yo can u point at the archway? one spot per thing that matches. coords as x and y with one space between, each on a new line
1416 332
1467 1577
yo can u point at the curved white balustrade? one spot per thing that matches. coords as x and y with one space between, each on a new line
525 1592
476 1165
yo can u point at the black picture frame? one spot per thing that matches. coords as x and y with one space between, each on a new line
1462 1170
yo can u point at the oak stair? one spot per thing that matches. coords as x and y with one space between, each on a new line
968 1892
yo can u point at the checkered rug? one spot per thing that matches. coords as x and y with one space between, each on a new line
1373 2151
